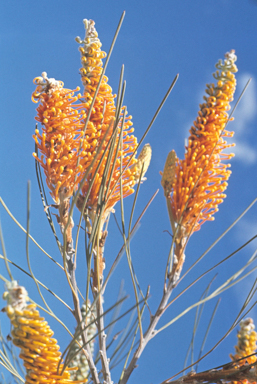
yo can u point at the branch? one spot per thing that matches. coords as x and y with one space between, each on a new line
228 373
97 288
150 332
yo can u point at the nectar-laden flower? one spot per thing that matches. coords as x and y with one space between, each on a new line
200 179
59 142
62 121
246 345
102 117
194 186
31 333
81 141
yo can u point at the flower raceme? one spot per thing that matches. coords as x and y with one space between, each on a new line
194 186
59 143
71 151
198 182
31 333
103 114
62 123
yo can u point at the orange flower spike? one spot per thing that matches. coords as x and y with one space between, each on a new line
194 186
103 111
102 117
31 333
61 121
202 167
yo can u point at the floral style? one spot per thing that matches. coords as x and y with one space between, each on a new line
31 333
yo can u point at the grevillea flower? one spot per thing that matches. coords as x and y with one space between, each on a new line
62 122
69 150
31 333
246 345
59 142
101 118
194 186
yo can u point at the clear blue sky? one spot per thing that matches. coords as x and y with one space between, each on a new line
157 41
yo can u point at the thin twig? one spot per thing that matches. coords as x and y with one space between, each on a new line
148 335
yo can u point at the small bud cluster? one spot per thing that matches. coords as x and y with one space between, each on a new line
80 362
246 342
168 174
142 163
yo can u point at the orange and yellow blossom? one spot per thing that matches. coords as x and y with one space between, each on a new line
101 118
70 150
31 333
59 142
62 121
104 131
66 150
194 186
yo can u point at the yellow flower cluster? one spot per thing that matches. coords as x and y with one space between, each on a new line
31 333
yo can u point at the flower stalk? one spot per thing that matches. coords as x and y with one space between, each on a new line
87 142
194 186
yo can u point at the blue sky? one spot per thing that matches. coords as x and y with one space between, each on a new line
157 41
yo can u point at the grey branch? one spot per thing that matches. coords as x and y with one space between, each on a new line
150 332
